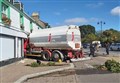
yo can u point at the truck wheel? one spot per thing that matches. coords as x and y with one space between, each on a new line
56 55
45 55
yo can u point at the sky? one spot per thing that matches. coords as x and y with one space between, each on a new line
76 12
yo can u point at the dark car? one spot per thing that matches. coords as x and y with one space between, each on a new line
85 45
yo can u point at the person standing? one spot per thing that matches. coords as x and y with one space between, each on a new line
107 45
92 50
81 54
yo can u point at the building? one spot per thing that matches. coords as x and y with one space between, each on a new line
15 26
36 17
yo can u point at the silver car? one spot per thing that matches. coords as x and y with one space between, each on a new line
115 46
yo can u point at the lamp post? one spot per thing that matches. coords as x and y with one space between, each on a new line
101 24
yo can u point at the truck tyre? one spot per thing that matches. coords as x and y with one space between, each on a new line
45 55
56 55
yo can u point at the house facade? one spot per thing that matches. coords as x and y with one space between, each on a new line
15 26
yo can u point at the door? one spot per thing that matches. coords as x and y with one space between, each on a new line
19 47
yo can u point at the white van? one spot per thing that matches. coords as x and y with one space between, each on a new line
97 42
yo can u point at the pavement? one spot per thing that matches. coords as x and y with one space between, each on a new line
87 73
19 72
66 76
83 72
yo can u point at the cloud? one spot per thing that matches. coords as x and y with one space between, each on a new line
80 20
93 19
76 20
57 13
116 11
95 5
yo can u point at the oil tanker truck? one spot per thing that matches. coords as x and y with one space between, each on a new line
55 43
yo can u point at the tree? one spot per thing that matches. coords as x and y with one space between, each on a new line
89 38
107 33
111 35
86 29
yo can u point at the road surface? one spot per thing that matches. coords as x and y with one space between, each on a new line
102 52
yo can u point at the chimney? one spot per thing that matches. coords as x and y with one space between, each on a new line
19 5
10 1
35 16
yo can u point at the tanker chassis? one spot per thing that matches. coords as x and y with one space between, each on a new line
55 43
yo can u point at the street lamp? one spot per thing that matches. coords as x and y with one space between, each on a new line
101 24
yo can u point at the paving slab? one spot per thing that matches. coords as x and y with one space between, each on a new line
86 73
67 76
12 72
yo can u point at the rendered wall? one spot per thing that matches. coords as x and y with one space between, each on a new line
35 27
26 24
15 18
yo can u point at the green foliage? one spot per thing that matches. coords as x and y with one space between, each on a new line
51 64
107 33
111 35
113 66
101 67
34 64
86 29
89 34
89 38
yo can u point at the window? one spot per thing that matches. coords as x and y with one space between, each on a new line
21 20
0 10
31 27
5 14
5 9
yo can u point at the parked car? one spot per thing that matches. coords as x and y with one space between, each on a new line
86 45
115 46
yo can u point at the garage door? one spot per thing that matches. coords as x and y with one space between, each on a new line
7 47
0 47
